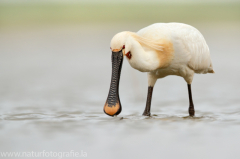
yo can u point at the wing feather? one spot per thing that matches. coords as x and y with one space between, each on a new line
197 48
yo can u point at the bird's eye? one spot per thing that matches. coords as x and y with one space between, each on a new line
129 55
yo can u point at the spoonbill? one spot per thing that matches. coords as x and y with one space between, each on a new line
160 49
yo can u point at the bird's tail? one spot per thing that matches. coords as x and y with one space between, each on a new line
210 69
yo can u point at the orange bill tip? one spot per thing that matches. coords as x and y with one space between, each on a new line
112 110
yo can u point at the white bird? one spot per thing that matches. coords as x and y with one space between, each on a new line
160 49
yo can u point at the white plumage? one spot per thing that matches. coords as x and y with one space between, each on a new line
162 49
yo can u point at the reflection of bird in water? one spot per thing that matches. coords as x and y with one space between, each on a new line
160 49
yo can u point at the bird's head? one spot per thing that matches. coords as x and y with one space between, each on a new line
121 42
119 46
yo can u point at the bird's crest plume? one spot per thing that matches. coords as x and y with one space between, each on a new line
118 41
150 43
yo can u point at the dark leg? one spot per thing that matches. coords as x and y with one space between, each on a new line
148 104
191 106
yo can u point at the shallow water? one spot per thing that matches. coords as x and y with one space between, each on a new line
54 83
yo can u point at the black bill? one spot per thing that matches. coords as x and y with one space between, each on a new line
113 105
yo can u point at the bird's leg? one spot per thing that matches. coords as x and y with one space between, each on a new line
191 106
148 103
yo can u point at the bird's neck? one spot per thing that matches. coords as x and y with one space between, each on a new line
144 59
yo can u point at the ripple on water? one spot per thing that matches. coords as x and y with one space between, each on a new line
101 117
25 116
